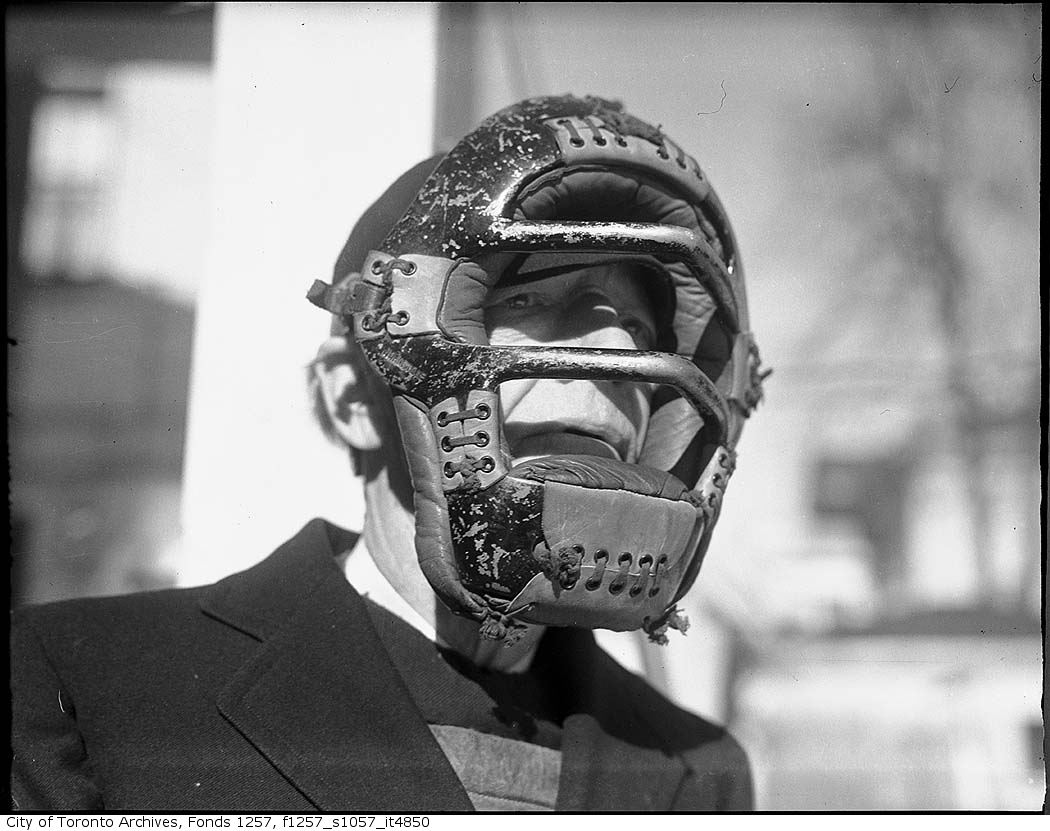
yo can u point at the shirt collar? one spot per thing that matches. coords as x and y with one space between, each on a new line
366 578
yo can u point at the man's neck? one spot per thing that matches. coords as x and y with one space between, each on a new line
389 537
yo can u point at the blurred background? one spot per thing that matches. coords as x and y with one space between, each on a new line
868 618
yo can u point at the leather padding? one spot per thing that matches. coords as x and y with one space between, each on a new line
461 315
433 539
605 196
603 474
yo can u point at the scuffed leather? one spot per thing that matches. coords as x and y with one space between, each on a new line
433 540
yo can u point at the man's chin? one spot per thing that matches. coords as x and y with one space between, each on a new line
562 444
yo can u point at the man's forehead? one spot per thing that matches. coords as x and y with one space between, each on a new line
615 273
533 267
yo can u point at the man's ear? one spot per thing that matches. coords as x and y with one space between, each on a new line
341 397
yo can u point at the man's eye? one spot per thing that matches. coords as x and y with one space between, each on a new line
641 333
518 301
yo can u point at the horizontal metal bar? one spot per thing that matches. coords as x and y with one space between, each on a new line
669 242
562 362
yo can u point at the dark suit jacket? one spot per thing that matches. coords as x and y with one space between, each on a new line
269 691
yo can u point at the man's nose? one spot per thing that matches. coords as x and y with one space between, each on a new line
592 320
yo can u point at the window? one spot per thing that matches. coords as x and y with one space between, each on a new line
64 233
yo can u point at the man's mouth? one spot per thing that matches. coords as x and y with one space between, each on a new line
565 442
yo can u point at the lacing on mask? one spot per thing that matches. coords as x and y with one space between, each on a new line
576 140
619 582
469 468
563 565
480 439
480 412
375 321
497 626
656 571
644 563
671 619
601 560
386 269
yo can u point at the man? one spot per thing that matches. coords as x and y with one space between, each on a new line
537 339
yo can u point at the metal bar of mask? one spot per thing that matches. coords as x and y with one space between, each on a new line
576 363
668 242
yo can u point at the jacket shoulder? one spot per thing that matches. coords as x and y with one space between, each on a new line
75 658
81 617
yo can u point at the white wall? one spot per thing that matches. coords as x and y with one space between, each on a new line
318 108
161 174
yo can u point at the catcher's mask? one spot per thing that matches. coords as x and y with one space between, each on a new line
565 540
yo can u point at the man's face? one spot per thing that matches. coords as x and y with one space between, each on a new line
601 307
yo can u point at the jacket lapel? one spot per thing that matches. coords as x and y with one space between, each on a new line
319 698
321 701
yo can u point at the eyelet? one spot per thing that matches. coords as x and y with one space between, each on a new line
482 437
407 267
595 583
377 267
442 419
483 411
446 444
487 464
